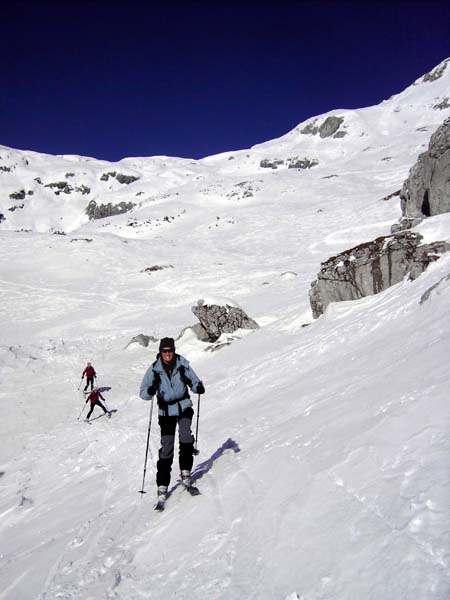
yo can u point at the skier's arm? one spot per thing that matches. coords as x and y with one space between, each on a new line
147 382
197 385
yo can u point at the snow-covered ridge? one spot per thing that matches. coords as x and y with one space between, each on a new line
61 193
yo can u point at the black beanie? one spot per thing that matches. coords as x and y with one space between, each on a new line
167 343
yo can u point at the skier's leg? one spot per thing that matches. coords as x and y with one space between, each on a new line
101 406
90 412
186 453
164 464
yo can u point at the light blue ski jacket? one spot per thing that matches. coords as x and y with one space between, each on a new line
173 394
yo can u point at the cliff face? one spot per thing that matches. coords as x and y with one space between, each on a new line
426 191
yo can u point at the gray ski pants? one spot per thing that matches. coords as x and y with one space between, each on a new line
168 427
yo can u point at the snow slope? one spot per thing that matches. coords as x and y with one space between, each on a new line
324 446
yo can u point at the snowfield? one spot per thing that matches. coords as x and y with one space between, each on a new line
324 445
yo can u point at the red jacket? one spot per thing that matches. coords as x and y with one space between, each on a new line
94 396
89 372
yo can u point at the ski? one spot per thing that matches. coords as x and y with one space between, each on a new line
192 489
108 414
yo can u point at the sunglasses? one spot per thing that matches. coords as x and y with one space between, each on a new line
166 351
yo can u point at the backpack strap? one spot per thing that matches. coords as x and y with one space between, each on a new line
156 379
184 378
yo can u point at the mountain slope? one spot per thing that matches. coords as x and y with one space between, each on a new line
323 448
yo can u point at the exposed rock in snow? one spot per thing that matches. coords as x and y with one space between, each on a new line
371 268
437 72
327 129
121 178
217 319
330 126
426 192
100 211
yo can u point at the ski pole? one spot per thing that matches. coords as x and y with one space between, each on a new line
79 385
196 450
81 411
146 450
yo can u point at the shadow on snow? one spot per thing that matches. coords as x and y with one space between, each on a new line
205 466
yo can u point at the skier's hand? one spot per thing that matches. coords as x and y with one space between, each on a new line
151 391
200 388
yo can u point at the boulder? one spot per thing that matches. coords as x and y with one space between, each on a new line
372 267
216 319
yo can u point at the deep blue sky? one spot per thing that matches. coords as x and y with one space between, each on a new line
113 79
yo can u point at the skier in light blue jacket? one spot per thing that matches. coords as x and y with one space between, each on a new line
169 378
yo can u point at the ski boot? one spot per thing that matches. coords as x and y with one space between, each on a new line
162 497
186 479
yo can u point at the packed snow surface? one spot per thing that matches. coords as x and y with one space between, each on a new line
324 445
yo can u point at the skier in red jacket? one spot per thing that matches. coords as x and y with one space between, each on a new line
94 397
90 373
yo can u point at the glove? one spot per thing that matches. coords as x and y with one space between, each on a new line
200 388
151 391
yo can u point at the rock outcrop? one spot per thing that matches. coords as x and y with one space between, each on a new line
100 211
329 128
216 319
121 178
426 192
371 268
293 162
437 72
